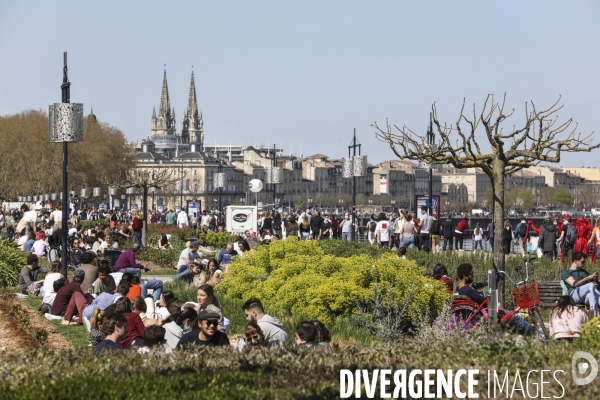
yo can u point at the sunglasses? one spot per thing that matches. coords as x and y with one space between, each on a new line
212 322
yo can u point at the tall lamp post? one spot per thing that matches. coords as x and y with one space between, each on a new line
353 166
431 143
220 180
65 124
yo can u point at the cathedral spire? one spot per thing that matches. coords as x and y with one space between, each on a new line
192 101
165 104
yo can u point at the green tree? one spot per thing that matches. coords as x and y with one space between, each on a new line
546 195
526 197
488 197
540 139
562 197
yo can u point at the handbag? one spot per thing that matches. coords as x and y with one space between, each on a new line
154 319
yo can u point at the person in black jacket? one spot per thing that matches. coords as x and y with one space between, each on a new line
447 232
547 238
315 225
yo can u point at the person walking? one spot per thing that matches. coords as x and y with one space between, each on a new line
447 232
507 237
547 238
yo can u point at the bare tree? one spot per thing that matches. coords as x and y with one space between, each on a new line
538 140
144 179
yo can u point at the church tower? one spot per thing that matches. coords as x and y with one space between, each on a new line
164 122
193 125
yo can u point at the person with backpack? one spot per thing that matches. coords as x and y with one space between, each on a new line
568 237
371 226
277 224
522 235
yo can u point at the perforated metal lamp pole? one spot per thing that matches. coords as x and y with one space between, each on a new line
353 145
65 124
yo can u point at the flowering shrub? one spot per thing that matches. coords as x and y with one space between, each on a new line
11 261
590 331
218 240
298 278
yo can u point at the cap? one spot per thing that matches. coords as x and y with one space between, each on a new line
79 274
40 236
195 244
204 315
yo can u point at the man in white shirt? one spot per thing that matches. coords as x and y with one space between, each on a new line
425 224
182 219
29 218
382 231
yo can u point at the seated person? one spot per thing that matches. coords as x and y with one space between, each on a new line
163 243
63 296
323 337
254 338
154 337
566 319
440 273
105 300
465 274
161 306
96 334
105 282
114 327
188 274
28 278
271 327
134 335
89 264
305 335
51 295
582 285
208 335
127 263
188 257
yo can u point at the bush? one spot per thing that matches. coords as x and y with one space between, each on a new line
162 258
92 224
344 248
11 261
217 240
294 277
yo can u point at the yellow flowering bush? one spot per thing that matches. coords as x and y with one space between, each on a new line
296 277
590 331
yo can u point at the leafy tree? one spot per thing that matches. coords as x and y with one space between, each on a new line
562 197
540 139
546 195
30 165
526 197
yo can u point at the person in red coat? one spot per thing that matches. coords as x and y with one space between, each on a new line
135 326
459 232
584 232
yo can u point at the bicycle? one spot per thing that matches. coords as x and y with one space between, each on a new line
527 296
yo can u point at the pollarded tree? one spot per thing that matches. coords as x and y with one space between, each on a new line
542 138
143 179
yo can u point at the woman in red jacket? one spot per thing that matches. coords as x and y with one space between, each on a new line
135 326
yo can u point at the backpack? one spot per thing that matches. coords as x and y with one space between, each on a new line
277 224
435 228
522 230
372 226
571 235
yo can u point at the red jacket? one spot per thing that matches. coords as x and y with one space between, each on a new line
462 225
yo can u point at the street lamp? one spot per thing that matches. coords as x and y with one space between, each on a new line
220 181
431 143
274 173
65 124
353 166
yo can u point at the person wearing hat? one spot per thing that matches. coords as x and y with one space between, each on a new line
208 335
63 296
126 262
547 239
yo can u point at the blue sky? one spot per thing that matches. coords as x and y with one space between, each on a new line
303 73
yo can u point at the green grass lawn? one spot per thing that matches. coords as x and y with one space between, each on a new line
75 334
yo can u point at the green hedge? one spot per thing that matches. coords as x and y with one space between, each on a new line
283 374
91 224
11 261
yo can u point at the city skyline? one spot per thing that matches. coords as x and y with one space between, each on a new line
303 75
